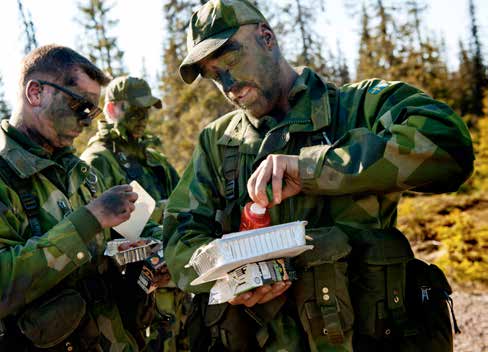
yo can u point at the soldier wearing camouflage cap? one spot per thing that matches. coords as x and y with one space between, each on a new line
121 151
56 285
337 157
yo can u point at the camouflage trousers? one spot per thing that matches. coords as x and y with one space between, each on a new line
168 330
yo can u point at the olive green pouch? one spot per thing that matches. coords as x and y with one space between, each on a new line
321 290
50 321
429 306
378 281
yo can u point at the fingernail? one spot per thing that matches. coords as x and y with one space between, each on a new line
279 286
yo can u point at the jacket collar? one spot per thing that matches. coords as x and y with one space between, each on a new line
22 162
310 111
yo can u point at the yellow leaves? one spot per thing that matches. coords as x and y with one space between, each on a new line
451 231
466 248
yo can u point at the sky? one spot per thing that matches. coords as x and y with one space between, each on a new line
140 31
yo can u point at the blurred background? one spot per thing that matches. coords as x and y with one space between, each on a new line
440 46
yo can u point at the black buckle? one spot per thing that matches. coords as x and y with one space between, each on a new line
231 189
29 202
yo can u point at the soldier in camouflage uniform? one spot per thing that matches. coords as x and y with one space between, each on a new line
338 158
55 285
122 152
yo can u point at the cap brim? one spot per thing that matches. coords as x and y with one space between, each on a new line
148 101
189 70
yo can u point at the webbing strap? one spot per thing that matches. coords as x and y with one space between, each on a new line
395 287
133 168
230 168
23 188
325 293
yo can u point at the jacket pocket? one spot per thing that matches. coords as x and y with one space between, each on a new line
321 291
49 322
378 281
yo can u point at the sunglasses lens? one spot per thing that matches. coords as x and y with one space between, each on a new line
85 109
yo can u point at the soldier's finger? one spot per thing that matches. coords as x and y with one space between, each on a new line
241 298
278 289
277 180
131 196
257 295
251 183
262 180
122 188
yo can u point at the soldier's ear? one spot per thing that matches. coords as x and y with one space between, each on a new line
110 109
267 35
32 92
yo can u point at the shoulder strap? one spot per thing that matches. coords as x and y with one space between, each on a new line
230 168
23 188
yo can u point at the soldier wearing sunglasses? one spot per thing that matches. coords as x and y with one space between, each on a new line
122 151
56 289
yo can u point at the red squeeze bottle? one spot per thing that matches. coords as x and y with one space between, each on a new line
254 217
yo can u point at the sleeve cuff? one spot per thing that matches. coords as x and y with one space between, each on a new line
85 223
311 160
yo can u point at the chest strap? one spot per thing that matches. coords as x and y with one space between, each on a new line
23 188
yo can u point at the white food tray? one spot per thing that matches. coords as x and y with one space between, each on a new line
214 260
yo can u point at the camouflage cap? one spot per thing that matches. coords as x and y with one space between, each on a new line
211 26
134 90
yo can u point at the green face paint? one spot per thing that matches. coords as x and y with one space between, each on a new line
134 121
246 74
65 124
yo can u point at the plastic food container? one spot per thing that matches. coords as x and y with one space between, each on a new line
131 255
214 260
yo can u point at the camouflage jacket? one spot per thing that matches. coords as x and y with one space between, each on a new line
70 250
121 161
360 146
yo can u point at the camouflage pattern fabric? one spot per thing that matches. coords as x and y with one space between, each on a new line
70 251
360 146
211 27
110 149
159 179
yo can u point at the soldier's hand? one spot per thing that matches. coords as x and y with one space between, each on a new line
162 277
275 168
113 206
261 294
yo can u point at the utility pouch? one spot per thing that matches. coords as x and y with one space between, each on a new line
321 290
428 303
51 321
378 281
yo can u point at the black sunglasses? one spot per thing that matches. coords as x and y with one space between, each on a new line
82 107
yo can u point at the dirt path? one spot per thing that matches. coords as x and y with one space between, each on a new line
472 316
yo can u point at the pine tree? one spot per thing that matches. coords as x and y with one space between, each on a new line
366 63
479 77
422 63
303 45
186 108
377 54
99 45
4 107
29 29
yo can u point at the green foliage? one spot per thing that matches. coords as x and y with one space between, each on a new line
99 45
186 108
29 29
451 231
464 248
393 49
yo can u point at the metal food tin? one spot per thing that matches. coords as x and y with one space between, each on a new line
131 255
214 260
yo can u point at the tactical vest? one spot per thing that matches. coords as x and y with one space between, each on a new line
364 281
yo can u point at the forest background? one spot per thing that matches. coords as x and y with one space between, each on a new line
394 43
